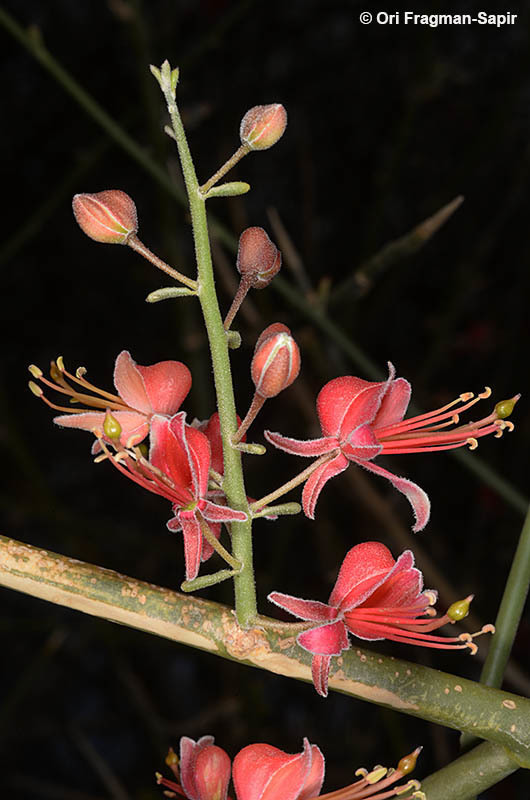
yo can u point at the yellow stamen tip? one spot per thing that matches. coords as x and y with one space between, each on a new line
460 609
408 763
472 442
361 772
400 790
375 775
111 426
35 371
37 391
60 363
431 596
505 407
488 628
465 396
80 372
486 393
172 758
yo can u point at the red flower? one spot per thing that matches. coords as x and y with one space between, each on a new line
204 772
361 420
142 392
262 772
178 468
374 597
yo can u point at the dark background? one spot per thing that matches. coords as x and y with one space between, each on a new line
387 124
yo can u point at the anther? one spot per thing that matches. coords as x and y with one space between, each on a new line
80 372
37 391
413 784
473 443
35 371
431 596
465 396
375 775
485 394
488 628
362 772
100 458
55 373
60 364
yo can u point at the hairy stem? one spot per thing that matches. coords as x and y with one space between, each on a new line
233 484
257 505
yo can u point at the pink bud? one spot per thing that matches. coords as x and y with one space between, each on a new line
276 361
258 259
212 773
262 126
263 772
108 217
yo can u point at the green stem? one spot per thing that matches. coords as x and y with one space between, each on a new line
139 247
492 714
474 772
233 483
259 505
510 610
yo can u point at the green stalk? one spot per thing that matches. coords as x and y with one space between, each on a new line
474 772
500 717
233 483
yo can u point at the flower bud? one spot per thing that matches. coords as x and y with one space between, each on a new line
276 361
262 126
108 217
258 259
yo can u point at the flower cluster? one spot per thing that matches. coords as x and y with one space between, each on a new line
263 772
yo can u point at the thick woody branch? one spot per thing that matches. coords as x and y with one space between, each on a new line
490 714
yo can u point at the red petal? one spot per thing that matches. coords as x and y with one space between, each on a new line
316 482
415 495
394 404
327 640
402 587
215 513
191 531
207 549
310 610
320 673
212 773
167 455
166 383
345 403
315 779
130 384
361 443
308 448
197 449
189 750
365 566
263 772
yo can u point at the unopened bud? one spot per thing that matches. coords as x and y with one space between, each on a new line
212 770
262 126
109 217
276 361
258 259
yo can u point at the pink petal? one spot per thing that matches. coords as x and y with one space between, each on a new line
394 404
215 513
191 530
363 569
401 588
419 501
130 384
134 426
309 448
320 672
166 384
189 750
310 610
263 772
167 455
361 443
345 403
315 778
327 640
212 773
316 482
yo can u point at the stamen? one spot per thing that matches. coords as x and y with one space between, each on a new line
473 443
486 393
37 391
35 371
